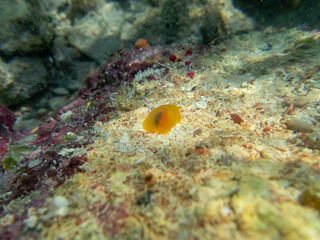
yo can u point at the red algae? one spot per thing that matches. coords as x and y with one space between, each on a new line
7 118
236 118
190 74
173 58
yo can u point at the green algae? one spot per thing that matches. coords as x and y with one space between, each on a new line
8 163
15 154
308 47
311 198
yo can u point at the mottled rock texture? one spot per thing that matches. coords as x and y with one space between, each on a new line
60 42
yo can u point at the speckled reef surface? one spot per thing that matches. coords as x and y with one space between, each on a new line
243 163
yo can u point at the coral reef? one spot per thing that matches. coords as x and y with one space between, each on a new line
242 163
67 40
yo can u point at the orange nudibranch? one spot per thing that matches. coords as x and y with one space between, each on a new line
162 119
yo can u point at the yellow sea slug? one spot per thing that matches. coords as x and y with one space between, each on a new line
162 119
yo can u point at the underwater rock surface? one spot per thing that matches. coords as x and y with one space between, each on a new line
66 39
238 165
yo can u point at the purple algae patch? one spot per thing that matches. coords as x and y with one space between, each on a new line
7 118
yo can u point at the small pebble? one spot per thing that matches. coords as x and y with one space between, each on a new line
197 131
57 102
7 219
301 101
59 206
312 140
60 91
66 116
265 46
31 221
300 125
74 85
310 197
236 118
42 111
201 104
